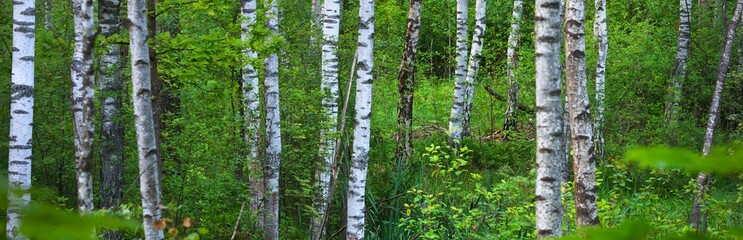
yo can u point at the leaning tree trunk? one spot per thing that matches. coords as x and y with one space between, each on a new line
679 69
457 110
273 128
149 171
601 33
112 131
328 136
361 133
82 101
474 63
251 102
21 114
697 219
549 119
581 131
406 84
514 38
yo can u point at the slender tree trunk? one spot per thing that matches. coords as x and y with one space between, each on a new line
601 33
514 38
406 84
580 116
252 117
158 96
474 62
456 117
112 134
361 134
328 136
549 119
149 171
21 114
48 15
82 101
679 69
273 127
704 179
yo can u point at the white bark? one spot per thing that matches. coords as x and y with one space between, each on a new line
601 32
682 54
251 102
361 134
697 219
149 186
21 114
456 117
581 131
83 112
273 128
513 63
329 85
474 62
549 119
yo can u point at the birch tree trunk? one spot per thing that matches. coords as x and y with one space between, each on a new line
361 134
513 63
679 69
48 15
581 131
602 35
698 219
149 171
252 117
474 62
456 117
273 127
406 84
21 114
110 89
328 136
549 119
82 101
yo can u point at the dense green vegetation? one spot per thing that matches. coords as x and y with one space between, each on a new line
484 191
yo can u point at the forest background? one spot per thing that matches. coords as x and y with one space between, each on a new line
199 50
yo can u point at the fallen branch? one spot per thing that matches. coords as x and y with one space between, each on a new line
501 98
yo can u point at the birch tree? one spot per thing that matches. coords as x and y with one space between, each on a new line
83 111
473 64
549 119
149 171
456 117
406 83
601 34
581 131
513 63
21 114
698 219
273 127
679 68
331 19
112 132
251 102
361 134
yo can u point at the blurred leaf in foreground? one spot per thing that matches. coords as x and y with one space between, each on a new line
722 160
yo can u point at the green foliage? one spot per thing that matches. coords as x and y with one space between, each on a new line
722 160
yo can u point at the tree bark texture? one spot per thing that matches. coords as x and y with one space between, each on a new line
406 84
703 179
21 114
149 185
252 117
83 74
361 134
331 19
473 64
511 120
679 68
602 35
456 117
549 119
273 128
581 132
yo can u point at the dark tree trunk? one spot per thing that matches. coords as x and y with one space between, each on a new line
406 85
